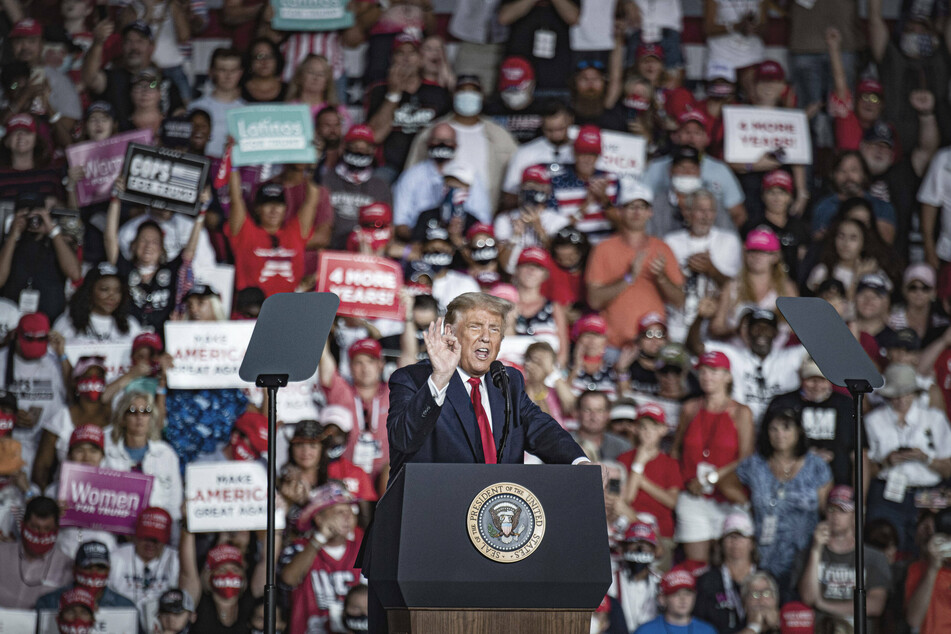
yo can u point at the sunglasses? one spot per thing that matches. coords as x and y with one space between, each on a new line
871 97
765 594
482 243
152 84
655 333
918 288
139 410
590 63
569 236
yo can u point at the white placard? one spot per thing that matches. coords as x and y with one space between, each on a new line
750 132
229 495
118 356
221 278
108 621
17 621
206 354
621 153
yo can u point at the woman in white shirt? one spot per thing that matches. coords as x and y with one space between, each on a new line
99 310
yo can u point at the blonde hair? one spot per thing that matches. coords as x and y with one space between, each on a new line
778 277
122 409
474 301
297 81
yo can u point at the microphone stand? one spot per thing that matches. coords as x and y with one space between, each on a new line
501 380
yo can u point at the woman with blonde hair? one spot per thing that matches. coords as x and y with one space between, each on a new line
313 84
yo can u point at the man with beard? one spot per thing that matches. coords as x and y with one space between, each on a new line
850 178
759 370
422 186
826 419
589 89
353 185
515 107
636 581
328 130
553 149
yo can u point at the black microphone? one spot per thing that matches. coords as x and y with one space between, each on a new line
501 380
499 377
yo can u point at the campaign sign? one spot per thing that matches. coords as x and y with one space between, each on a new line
102 161
231 493
117 357
272 134
108 621
219 277
103 499
17 621
206 357
164 179
750 132
311 15
621 153
367 285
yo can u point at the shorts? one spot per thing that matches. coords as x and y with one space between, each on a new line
699 518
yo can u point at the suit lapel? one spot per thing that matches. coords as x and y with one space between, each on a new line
461 402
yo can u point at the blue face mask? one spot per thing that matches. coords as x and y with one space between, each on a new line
467 103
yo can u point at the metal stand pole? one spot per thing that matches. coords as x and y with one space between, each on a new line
858 389
272 382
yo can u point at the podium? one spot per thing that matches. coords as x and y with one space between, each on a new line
459 548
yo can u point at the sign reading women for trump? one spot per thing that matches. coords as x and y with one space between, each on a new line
231 493
163 179
311 15
206 357
272 134
103 499
367 285
750 132
102 164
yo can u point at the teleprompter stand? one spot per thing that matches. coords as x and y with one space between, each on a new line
286 345
844 362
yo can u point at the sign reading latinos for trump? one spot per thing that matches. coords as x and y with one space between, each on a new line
311 15
621 153
102 163
272 134
231 493
367 285
102 499
163 179
206 358
117 357
750 132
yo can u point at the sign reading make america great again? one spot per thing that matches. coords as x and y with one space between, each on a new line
272 134
163 179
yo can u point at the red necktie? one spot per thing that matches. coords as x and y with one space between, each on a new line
488 440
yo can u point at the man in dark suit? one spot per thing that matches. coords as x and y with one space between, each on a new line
447 409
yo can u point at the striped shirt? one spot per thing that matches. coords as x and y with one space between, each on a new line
569 192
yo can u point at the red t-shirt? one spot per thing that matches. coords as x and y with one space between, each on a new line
710 438
938 616
273 263
665 473
563 287
326 584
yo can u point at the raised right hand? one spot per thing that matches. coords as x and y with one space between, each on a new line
444 352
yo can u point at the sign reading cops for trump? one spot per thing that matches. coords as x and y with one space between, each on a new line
367 285
231 493
750 132
102 163
164 179
206 358
272 134
311 15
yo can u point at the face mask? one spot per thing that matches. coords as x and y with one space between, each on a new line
442 153
32 348
438 261
356 161
241 450
485 254
227 585
636 561
78 626
92 388
917 45
516 99
6 423
532 197
357 623
38 544
334 452
467 103
686 184
636 102
720 91
592 359
92 580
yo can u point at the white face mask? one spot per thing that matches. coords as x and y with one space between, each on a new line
467 103
686 184
516 99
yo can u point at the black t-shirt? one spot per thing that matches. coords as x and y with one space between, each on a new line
643 380
207 616
828 425
524 125
415 112
792 236
541 37
714 605
153 301
35 266
899 186
610 119
118 92
437 217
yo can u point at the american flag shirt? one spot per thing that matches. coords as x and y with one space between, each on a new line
569 192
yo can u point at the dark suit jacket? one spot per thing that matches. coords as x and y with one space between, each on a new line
421 431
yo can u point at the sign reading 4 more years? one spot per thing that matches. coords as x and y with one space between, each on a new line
163 179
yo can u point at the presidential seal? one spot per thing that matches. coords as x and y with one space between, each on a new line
506 522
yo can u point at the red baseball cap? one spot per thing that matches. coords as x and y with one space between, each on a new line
652 318
692 116
27 27
591 323
406 38
843 497
477 228
378 238
223 554
797 618
872 86
88 433
640 532
368 346
677 579
514 72
323 497
762 239
254 426
32 332
536 174
589 140
147 340
770 71
21 121
714 359
650 50
376 214
154 523
360 132
534 255
778 178
678 102
652 411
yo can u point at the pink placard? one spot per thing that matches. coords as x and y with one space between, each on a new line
102 499
103 163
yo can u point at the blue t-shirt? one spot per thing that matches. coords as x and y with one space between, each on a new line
659 626
826 209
